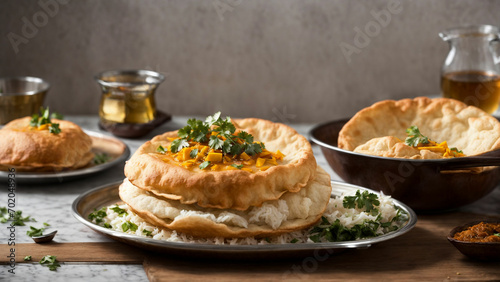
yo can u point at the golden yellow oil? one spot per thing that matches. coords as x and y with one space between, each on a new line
128 107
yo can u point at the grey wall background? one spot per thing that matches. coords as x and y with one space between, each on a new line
275 59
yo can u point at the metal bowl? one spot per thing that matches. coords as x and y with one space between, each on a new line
424 185
21 96
476 250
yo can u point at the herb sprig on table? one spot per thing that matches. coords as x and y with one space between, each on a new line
219 134
51 262
15 216
43 118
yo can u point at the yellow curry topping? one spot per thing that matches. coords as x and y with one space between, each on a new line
420 142
216 145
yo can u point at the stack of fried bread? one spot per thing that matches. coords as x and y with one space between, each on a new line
39 143
224 178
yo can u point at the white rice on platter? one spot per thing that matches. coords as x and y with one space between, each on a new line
347 217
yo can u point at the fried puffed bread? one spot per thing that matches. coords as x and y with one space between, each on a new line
27 148
230 189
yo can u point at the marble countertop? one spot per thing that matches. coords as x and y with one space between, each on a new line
51 203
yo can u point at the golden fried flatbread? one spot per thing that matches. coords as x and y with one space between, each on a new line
293 211
235 189
29 149
465 127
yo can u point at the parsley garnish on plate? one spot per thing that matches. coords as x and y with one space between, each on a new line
127 225
38 120
219 133
365 200
98 215
27 258
119 211
146 232
101 158
415 137
496 234
237 166
51 262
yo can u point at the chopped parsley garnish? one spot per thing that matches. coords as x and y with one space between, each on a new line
237 166
335 231
294 240
415 137
46 224
204 165
54 128
38 120
51 262
496 234
35 232
193 154
107 225
98 215
219 134
101 158
127 225
365 200
27 258
161 150
15 216
456 150
119 211
147 232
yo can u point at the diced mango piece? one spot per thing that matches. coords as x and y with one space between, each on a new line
185 153
265 154
43 126
260 162
204 150
264 168
227 159
215 167
247 169
228 167
279 155
214 157
171 138
272 161
245 156
249 162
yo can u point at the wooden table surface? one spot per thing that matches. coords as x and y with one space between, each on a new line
423 254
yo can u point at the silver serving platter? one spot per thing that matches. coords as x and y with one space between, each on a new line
108 194
115 148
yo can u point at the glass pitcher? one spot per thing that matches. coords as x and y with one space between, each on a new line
471 71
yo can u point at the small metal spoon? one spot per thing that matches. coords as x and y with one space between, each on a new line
45 238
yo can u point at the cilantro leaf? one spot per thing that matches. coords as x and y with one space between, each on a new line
54 128
101 158
18 219
245 137
119 211
204 165
127 225
237 166
147 232
161 150
98 215
365 200
27 258
51 262
35 232
294 240
254 148
415 137
215 142
496 234
193 153
210 120
178 144
184 132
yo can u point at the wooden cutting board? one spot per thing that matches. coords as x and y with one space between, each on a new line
423 254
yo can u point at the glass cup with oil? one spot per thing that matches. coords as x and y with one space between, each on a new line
471 71
128 107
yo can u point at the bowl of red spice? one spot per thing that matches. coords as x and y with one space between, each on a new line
478 239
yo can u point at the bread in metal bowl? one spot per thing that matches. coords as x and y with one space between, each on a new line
231 189
29 149
376 129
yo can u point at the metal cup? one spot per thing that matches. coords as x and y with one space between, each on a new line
21 96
